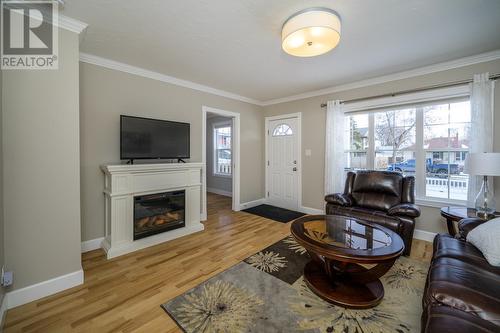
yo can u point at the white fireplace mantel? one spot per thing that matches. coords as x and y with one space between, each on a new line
123 182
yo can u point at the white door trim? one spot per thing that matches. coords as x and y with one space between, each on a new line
297 115
235 152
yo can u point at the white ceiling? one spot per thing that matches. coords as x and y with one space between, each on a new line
234 45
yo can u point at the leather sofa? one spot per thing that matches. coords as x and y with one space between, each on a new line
384 197
462 292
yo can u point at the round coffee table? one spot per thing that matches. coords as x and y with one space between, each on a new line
348 256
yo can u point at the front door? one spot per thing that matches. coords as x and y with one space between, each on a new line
282 164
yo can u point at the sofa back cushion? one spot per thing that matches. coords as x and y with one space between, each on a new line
377 189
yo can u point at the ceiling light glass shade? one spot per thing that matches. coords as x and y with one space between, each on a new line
311 32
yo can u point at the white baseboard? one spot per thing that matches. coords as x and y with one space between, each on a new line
92 244
424 235
46 288
219 192
3 311
251 204
311 211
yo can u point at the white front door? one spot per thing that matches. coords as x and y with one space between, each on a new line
282 163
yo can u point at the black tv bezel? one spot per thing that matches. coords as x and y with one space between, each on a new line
156 157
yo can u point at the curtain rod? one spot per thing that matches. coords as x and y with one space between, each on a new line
402 92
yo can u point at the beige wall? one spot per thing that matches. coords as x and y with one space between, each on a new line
105 94
41 168
216 182
313 129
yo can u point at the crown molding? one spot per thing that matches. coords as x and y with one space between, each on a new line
119 66
71 24
457 63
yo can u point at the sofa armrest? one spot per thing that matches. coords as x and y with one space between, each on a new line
466 225
406 209
339 199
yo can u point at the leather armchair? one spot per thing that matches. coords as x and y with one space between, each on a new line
383 197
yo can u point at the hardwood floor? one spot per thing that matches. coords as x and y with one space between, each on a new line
124 294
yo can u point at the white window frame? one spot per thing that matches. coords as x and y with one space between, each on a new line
214 152
371 106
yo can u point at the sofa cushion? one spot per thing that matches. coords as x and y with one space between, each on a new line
463 286
444 319
377 189
445 246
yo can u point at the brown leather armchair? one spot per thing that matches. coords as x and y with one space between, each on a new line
383 197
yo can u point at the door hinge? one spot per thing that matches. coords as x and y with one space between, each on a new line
267 132
268 194
267 163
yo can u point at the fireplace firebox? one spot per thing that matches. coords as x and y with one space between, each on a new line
157 213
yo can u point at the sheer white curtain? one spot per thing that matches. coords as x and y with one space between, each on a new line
481 134
334 148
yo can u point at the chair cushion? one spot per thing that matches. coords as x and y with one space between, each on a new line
486 237
366 214
377 189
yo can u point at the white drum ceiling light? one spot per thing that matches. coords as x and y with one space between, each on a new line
311 32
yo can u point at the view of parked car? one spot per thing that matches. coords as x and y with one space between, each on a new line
437 169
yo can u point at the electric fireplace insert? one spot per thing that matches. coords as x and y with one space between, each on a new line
157 213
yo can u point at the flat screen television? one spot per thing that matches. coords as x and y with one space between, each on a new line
144 138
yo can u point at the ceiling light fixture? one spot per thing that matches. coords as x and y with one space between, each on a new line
311 32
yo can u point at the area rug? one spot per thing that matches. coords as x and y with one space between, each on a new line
266 293
274 213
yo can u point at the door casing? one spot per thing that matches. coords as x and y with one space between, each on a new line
236 205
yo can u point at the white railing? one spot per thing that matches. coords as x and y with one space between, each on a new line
438 187
224 169
455 183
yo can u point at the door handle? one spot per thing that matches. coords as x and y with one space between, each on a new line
294 169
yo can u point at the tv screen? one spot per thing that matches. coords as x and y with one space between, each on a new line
143 138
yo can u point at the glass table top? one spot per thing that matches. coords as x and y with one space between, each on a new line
345 232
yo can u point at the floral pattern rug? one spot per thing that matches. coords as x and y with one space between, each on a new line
266 293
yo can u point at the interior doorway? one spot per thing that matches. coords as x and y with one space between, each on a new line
220 155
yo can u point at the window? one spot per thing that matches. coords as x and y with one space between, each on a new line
446 143
282 130
356 147
429 142
222 150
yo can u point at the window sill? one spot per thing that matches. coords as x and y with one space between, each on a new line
222 175
439 203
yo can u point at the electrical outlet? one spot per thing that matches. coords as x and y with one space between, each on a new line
7 278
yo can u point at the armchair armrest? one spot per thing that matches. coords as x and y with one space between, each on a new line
339 199
466 225
405 209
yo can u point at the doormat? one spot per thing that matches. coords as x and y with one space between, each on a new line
274 213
